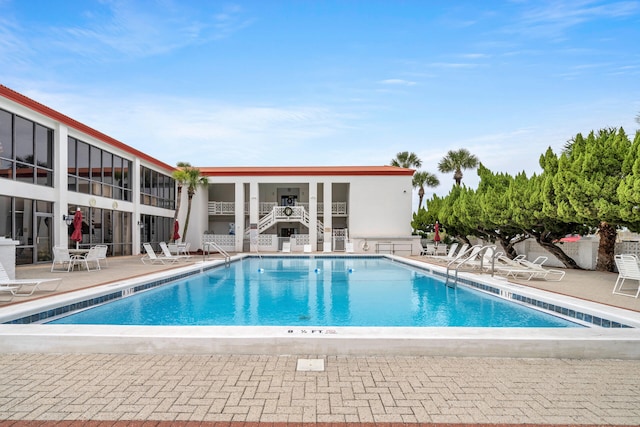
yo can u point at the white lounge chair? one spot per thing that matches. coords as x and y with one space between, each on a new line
7 292
286 247
306 249
628 268
17 286
167 253
451 255
528 270
61 256
152 258
465 256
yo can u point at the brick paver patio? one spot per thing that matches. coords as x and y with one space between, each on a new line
220 389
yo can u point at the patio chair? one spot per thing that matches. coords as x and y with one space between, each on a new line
428 249
16 286
102 254
628 268
93 256
167 253
152 258
306 249
286 247
348 247
441 250
61 256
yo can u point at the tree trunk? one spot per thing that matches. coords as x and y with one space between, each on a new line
175 215
186 221
558 253
607 247
509 245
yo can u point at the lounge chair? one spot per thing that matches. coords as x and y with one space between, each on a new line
628 268
152 258
286 247
167 253
484 258
61 256
6 292
348 247
465 254
326 247
16 286
307 249
528 270
451 255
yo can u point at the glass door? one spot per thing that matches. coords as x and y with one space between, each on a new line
44 237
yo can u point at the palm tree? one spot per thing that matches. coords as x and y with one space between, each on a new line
422 178
407 160
190 177
455 161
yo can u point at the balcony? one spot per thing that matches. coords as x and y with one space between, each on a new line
229 208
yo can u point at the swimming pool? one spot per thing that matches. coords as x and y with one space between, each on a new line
616 332
318 291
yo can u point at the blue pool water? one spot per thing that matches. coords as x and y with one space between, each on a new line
320 291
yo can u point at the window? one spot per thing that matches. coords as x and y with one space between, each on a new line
156 189
94 171
26 150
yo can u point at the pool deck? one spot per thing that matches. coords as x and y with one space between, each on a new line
242 390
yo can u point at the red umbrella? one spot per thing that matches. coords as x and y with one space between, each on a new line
76 236
436 238
176 228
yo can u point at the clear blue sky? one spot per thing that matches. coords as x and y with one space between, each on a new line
266 82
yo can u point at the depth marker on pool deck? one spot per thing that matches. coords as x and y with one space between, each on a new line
310 365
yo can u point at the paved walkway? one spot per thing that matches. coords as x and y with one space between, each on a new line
218 390
350 390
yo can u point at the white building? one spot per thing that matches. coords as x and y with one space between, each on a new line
251 208
51 165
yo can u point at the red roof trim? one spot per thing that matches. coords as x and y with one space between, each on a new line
306 171
53 114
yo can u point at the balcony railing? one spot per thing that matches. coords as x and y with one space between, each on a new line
229 208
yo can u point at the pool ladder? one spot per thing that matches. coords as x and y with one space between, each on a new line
206 248
470 255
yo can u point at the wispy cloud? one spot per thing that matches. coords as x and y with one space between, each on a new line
140 29
202 131
397 82
553 18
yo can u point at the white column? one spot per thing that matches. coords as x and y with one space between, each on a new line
60 183
254 213
135 198
327 216
313 214
239 196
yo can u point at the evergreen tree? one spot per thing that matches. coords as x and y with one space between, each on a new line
586 186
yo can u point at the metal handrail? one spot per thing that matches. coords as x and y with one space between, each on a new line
473 252
225 254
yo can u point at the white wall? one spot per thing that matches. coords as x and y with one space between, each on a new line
380 206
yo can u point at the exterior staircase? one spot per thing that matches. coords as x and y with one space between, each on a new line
286 214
